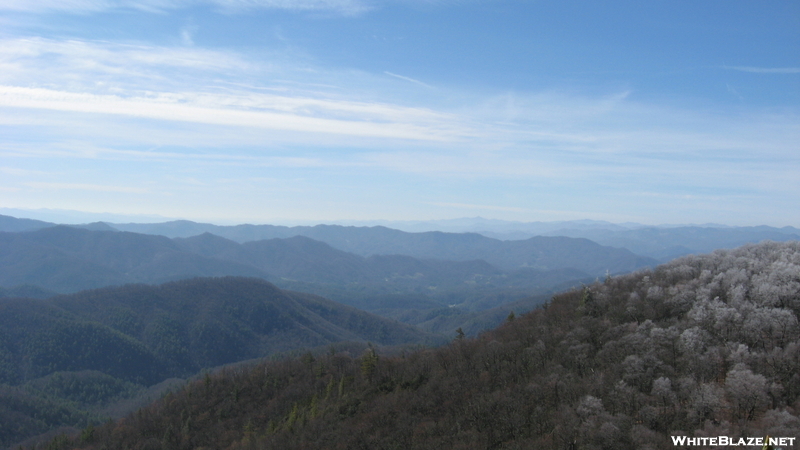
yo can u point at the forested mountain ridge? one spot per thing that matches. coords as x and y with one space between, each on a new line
302 258
538 252
662 242
8 223
668 243
26 290
64 357
67 259
176 328
703 346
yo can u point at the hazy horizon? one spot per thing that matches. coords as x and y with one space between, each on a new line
72 217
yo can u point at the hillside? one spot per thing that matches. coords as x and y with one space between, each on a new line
111 343
8 223
176 328
26 290
668 243
703 346
67 259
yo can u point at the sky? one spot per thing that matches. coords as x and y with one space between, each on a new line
274 111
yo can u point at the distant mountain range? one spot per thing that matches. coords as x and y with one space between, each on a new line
544 253
68 259
413 238
661 243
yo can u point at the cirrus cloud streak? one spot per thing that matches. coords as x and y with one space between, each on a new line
164 108
345 7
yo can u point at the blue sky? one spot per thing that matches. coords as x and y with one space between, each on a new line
318 110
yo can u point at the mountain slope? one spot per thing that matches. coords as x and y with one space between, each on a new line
72 353
206 322
703 346
68 259
176 328
668 243
13 224
38 338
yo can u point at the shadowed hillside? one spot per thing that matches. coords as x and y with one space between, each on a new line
64 359
67 259
175 328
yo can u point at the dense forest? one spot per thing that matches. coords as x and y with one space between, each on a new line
71 360
703 346
145 334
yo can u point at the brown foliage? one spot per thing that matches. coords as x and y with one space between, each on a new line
642 357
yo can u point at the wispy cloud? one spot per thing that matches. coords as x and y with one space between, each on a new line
347 7
209 114
771 70
33 60
204 109
86 187
156 83
408 79
54 5
20 172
